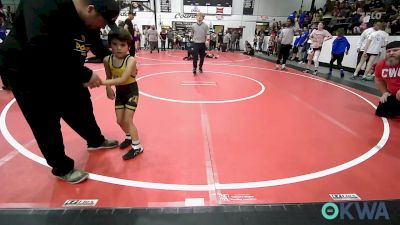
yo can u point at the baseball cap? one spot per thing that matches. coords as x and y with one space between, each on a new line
108 9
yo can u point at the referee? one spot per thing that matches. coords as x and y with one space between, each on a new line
199 36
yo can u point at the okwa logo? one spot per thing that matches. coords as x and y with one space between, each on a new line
355 210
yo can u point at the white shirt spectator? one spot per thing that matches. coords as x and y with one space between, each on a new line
363 38
227 38
153 35
379 39
286 36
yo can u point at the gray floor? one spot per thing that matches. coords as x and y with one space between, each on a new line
367 86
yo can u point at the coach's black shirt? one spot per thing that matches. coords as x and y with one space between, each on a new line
49 43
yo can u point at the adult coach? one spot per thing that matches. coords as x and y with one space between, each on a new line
38 73
199 37
128 25
387 80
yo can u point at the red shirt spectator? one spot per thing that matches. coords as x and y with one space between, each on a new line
390 74
387 73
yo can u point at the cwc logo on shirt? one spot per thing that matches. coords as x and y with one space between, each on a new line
390 72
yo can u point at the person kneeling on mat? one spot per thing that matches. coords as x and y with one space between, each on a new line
189 54
248 49
387 80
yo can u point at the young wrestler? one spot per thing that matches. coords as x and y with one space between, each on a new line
121 71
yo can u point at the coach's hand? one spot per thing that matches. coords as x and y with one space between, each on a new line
94 81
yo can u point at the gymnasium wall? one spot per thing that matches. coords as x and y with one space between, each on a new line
234 21
274 8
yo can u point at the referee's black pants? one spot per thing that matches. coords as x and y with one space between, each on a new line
199 50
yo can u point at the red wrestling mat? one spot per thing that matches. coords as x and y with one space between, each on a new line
239 133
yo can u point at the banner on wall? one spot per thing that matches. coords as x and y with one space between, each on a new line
165 5
248 7
185 16
207 9
222 7
224 3
263 18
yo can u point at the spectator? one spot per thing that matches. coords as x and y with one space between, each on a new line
363 41
292 16
261 40
376 40
146 37
248 49
213 40
227 39
234 38
317 38
329 6
163 38
391 12
190 51
376 5
346 10
136 7
302 18
356 20
271 42
255 41
301 43
128 25
286 40
388 81
339 47
395 25
3 29
153 39
170 37
238 40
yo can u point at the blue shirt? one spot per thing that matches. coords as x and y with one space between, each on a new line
340 44
3 33
292 16
300 40
302 18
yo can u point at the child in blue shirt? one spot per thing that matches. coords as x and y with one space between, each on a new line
339 47
299 44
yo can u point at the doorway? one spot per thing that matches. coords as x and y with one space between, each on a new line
262 27
219 31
